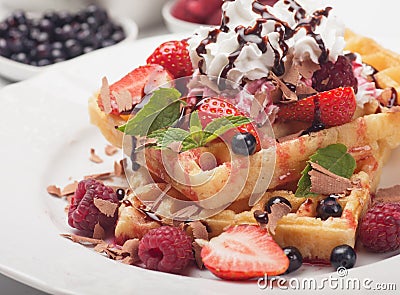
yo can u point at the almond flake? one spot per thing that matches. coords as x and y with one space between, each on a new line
278 210
98 232
54 190
82 240
325 182
106 207
124 100
69 189
105 96
93 157
388 195
110 150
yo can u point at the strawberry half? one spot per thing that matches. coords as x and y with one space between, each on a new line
243 252
336 106
174 57
135 83
212 108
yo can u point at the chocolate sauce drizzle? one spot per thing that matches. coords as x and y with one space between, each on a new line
317 124
253 35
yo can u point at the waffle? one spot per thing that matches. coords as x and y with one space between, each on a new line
315 238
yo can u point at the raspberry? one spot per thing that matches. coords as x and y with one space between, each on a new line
334 75
380 227
83 213
166 248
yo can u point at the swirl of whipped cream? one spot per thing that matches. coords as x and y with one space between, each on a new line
256 39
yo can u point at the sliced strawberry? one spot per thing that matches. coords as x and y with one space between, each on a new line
135 83
336 107
173 56
212 108
243 252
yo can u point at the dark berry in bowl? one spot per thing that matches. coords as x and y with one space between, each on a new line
295 258
57 36
329 207
244 144
343 256
276 200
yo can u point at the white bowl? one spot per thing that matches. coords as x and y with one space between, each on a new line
144 12
175 25
16 71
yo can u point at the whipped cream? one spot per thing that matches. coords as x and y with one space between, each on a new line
255 39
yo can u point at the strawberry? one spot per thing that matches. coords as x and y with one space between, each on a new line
336 106
212 108
174 57
243 252
135 83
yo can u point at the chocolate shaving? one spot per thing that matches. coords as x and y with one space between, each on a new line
131 247
105 95
186 212
278 210
54 190
307 68
119 169
123 100
388 195
98 232
110 150
106 207
69 189
99 176
93 157
82 240
287 94
197 230
325 182
175 146
303 90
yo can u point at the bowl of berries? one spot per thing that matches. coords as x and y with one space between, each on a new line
32 42
186 15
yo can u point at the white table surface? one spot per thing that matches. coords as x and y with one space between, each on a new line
9 286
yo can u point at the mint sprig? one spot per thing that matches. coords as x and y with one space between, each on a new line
197 136
334 158
161 111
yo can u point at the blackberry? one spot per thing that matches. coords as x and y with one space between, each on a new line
334 75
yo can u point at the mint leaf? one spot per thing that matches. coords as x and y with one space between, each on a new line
219 126
196 129
162 110
165 137
334 158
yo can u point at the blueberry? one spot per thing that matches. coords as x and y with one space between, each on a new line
343 256
57 54
276 200
118 36
329 207
107 42
87 49
43 51
57 45
15 45
4 49
3 29
244 144
73 48
20 57
295 258
84 37
46 25
261 216
120 194
43 62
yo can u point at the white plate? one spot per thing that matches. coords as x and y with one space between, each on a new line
16 71
45 139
